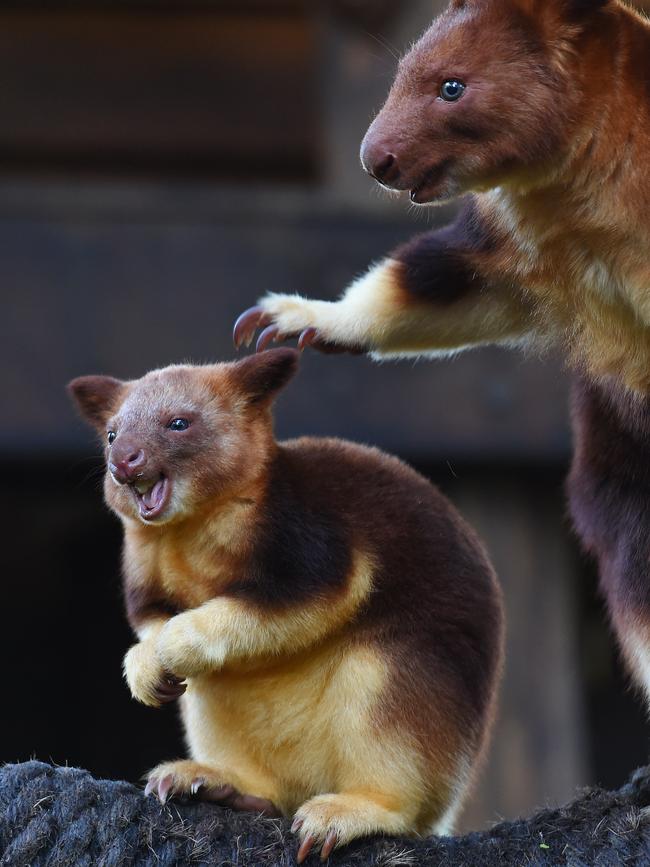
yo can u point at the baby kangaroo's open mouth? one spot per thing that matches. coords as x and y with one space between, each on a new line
151 496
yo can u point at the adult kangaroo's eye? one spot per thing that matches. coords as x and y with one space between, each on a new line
111 437
178 424
452 89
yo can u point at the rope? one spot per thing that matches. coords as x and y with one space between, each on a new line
54 816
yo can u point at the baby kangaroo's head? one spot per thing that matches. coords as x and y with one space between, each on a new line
492 93
184 436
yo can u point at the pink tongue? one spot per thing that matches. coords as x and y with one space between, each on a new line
153 497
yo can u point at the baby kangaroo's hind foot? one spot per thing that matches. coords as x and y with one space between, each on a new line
188 779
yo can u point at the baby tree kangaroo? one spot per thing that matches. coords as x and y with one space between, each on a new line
331 625
539 110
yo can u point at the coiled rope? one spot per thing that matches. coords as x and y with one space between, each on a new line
54 816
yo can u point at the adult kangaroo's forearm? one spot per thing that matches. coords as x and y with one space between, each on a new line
443 291
452 290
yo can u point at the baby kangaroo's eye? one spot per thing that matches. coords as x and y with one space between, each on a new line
178 424
111 437
452 89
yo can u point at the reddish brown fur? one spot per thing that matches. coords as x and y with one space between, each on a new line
609 490
511 118
276 533
551 136
551 140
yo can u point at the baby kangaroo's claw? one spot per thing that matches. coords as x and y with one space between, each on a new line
169 688
164 788
305 848
328 845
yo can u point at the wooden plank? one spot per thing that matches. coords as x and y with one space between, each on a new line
219 91
255 6
123 294
540 751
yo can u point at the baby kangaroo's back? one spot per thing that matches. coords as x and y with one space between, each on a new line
428 632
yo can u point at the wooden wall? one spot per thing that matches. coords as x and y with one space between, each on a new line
177 88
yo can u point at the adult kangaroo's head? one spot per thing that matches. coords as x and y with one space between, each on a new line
493 92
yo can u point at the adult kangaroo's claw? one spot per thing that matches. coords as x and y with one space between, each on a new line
270 333
307 338
247 324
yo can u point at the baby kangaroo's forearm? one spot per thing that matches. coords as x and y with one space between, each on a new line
233 628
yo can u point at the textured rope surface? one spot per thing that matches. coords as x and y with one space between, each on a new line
63 816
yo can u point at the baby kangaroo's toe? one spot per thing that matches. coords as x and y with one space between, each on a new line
328 821
187 779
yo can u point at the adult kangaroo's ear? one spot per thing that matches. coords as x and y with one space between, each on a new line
580 8
260 377
96 397
574 10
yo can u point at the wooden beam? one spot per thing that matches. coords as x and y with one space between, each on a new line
177 89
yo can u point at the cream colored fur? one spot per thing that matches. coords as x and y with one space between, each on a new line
372 313
142 666
226 630
285 708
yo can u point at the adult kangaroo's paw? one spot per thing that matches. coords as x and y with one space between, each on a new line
320 324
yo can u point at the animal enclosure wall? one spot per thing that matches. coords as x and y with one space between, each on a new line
161 165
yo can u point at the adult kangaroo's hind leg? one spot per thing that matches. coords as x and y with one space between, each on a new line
609 493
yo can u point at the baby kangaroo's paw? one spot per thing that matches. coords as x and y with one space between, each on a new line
281 317
187 779
147 678
328 821
181 647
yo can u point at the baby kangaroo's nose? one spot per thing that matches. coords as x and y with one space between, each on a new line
126 464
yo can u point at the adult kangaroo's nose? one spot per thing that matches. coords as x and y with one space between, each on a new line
126 462
379 162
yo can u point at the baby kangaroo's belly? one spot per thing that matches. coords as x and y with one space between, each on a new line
287 729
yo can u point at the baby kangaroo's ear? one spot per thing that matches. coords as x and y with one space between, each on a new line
262 376
96 397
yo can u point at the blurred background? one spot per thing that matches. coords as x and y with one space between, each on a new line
162 164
